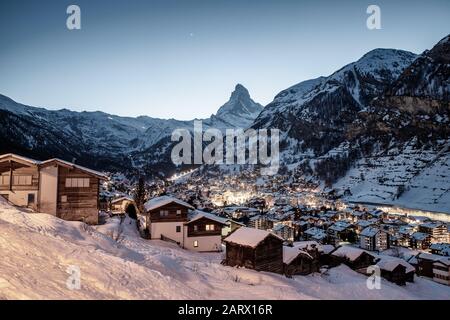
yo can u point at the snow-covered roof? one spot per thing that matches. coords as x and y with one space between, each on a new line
249 237
290 253
340 226
444 260
370 231
432 225
429 256
390 263
257 217
442 247
76 166
197 214
419 236
306 245
351 253
21 158
327 248
316 233
59 161
155 203
364 223
128 198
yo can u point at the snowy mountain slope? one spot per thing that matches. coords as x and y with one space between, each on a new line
376 129
101 140
410 177
410 124
324 112
428 76
37 249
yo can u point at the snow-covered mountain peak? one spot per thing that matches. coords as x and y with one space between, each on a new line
240 92
240 104
379 64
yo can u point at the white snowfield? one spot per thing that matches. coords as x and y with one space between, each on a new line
37 249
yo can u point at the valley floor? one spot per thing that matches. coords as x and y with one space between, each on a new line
115 263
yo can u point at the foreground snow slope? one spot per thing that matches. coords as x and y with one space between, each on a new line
37 249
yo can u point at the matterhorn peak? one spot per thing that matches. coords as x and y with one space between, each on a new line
240 92
240 110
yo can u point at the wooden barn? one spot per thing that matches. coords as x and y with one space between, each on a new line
425 261
396 270
353 257
63 189
298 262
254 249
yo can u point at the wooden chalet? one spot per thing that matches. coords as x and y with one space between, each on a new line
254 249
441 271
165 218
63 189
203 232
353 257
298 262
396 270
424 265
171 219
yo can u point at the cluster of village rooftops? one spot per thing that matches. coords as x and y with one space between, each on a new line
71 192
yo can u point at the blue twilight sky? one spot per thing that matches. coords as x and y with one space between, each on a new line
182 58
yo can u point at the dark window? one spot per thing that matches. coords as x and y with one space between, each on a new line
178 228
30 198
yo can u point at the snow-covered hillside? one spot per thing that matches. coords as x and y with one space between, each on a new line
115 263
408 177
106 141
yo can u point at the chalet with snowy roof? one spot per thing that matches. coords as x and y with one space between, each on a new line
298 262
424 263
374 239
315 234
442 249
420 240
340 231
353 257
170 219
54 186
254 249
165 218
396 270
203 232
441 271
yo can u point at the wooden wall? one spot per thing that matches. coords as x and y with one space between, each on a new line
201 228
172 217
20 170
267 256
82 203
